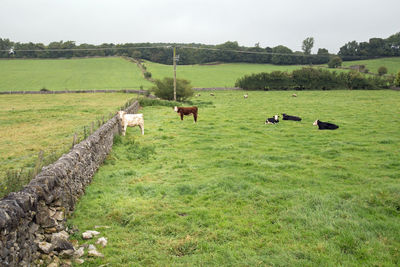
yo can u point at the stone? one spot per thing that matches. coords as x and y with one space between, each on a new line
61 244
60 235
102 241
89 234
66 254
45 247
79 261
55 262
95 253
79 252
59 216
50 230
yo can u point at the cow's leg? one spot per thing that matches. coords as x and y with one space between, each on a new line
195 117
124 132
181 116
142 128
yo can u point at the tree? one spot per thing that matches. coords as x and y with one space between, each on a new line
164 89
335 62
308 44
382 70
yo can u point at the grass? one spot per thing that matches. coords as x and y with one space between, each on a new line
391 63
208 76
70 74
232 191
30 123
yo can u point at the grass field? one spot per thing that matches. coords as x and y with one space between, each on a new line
30 123
70 74
208 76
232 191
391 63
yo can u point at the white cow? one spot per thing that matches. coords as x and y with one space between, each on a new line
131 120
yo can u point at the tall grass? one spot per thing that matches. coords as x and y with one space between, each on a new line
232 191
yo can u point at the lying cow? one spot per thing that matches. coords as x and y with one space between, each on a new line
246 96
187 111
290 118
131 120
273 120
325 125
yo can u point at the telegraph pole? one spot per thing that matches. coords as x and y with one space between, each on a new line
174 59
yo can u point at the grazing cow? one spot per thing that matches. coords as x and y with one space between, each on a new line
273 120
246 96
131 120
294 95
212 94
187 111
290 118
325 125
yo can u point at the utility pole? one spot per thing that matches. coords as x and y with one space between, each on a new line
174 60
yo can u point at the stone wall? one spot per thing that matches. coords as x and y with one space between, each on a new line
31 217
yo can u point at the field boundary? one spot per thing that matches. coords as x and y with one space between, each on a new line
128 91
33 215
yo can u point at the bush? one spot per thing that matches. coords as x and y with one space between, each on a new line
397 80
382 71
335 62
164 89
276 80
316 79
147 74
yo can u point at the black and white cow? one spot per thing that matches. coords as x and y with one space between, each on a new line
290 118
325 125
273 120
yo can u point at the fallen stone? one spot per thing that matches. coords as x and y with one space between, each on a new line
89 234
102 241
79 252
67 254
79 261
61 244
92 252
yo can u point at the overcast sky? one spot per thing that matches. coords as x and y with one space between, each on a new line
332 23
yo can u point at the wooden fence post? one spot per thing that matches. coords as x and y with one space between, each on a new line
74 140
38 163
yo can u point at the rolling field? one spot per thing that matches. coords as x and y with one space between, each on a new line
232 191
391 63
208 76
70 74
30 123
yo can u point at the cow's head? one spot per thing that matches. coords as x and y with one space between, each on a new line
315 122
276 117
121 114
176 109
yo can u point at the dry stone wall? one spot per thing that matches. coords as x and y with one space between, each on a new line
29 218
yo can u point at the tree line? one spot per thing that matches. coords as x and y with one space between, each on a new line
194 53
374 48
162 52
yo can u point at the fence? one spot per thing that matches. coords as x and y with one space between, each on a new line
30 216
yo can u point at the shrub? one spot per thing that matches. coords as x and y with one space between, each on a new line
315 79
382 71
335 62
276 80
147 74
397 80
164 89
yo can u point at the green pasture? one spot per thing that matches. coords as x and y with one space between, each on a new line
209 76
391 63
30 123
70 74
232 191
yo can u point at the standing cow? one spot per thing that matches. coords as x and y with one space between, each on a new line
187 111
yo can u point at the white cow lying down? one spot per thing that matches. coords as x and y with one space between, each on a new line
131 120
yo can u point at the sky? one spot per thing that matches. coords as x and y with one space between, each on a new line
332 23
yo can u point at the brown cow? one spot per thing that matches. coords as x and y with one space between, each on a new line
187 111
